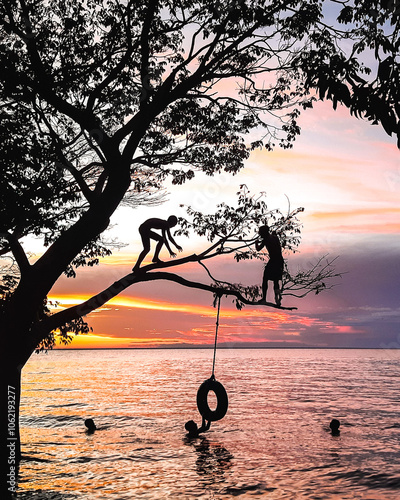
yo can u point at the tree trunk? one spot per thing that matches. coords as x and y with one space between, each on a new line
10 444
14 353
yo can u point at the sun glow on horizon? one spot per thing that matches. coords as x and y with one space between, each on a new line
98 341
135 303
180 325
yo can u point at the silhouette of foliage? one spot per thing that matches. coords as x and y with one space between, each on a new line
235 229
355 61
64 334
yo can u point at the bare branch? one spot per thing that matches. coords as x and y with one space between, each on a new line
315 279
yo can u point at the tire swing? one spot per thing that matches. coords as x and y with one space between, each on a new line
222 400
213 385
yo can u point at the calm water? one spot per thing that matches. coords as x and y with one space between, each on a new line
273 442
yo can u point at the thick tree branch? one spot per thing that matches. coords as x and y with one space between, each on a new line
18 253
97 301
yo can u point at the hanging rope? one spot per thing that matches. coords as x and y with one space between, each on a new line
213 385
216 335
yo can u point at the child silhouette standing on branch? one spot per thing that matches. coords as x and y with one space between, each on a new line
274 269
147 234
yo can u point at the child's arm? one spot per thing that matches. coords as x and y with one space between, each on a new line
164 233
259 245
173 241
204 426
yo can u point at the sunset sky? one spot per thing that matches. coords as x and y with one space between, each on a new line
346 174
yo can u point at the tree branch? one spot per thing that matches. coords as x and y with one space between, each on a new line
43 86
113 75
145 52
58 319
76 174
18 253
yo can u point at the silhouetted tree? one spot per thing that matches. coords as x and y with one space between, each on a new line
231 230
103 100
354 61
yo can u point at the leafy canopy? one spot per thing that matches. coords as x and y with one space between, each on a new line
176 85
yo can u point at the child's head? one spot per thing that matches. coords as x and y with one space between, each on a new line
191 426
334 425
263 231
172 221
91 426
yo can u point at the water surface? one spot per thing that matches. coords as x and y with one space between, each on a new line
273 443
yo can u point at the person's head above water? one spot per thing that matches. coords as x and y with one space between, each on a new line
191 427
172 221
91 426
334 426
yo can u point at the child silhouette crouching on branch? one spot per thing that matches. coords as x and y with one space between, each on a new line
274 269
147 234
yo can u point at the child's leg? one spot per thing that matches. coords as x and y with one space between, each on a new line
145 251
160 243
264 286
277 290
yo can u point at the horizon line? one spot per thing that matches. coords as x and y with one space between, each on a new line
209 347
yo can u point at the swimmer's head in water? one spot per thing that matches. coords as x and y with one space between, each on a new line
191 426
334 425
91 426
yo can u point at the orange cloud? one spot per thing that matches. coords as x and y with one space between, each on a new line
342 329
136 303
363 212
130 302
99 341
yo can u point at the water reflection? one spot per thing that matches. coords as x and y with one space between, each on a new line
213 460
45 495
138 401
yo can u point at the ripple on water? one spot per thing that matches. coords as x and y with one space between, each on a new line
369 479
46 495
272 443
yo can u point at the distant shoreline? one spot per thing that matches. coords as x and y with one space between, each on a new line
211 347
